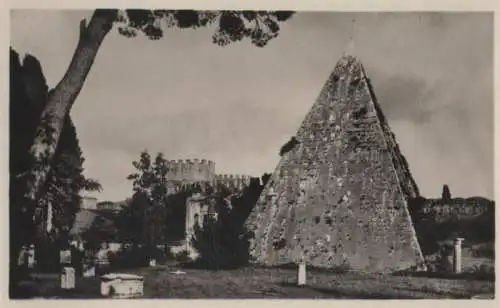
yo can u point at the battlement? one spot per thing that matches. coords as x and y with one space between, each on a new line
185 172
230 177
233 180
191 170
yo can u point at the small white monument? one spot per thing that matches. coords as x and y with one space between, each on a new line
152 262
23 257
457 256
65 256
119 285
31 256
301 276
68 278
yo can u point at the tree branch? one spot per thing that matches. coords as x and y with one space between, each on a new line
83 29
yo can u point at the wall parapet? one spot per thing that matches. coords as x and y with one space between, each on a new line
191 170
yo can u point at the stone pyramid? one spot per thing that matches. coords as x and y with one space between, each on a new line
339 197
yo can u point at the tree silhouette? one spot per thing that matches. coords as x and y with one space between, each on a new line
65 182
150 196
222 241
446 194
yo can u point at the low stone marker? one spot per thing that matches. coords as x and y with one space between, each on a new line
68 278
31 256
301 275
152 262
457 256
118 285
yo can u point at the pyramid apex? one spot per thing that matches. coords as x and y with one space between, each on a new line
350 58
349 64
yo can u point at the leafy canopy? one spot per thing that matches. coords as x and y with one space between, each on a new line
148 207
230 26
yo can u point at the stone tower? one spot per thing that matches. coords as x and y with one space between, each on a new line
339 196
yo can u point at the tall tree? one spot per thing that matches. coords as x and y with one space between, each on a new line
65 182
446 194
222 240
150 195
258 26
130 221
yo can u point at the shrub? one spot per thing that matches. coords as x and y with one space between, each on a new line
483 271
221 243
287 147
182 257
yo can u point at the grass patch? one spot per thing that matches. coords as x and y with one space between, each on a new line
260 282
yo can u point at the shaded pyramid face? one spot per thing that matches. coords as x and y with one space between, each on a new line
339 197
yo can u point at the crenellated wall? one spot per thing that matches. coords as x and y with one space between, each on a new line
186 174
188 170
232 180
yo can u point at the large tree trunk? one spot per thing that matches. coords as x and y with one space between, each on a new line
62 98
58 106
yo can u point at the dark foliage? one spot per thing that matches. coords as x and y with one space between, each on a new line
223 242
265 178
134 256
446 194
479 230
415 206
147 212
176 216
28 96
287 147
131 223
230 26
434 229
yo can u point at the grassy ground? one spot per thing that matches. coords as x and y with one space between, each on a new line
276 283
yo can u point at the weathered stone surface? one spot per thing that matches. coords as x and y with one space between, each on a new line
339 197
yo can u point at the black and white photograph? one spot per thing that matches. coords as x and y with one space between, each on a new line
250 154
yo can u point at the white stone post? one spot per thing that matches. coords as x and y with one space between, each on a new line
457 256
31 256
152 262
68 278
301 275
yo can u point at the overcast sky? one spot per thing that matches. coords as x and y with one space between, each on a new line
237 105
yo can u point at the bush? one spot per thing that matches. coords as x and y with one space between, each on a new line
182 257
482 272
221 244
129 258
